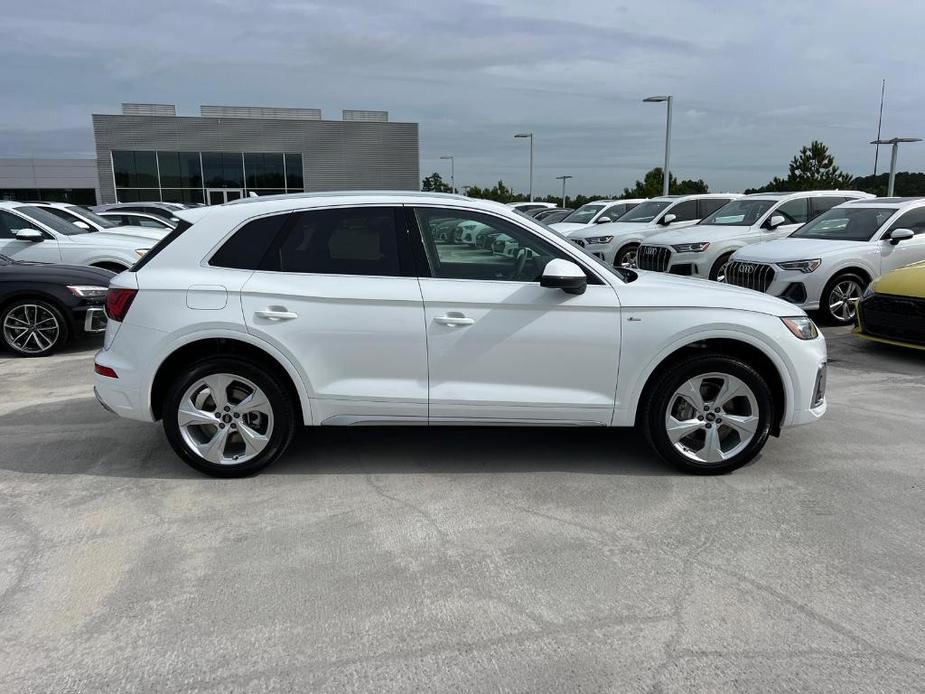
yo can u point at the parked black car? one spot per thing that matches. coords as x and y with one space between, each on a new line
43 305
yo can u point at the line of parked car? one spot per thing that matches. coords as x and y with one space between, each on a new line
56 260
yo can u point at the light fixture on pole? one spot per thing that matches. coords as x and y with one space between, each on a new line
452 171
530 135
563 179
895 142
665 171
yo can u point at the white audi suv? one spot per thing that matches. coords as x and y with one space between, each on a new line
597 212
257 316
704 249
828 263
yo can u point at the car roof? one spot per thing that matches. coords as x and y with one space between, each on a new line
894 203
808 193
695 196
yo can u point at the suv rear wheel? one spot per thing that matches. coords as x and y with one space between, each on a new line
708 415
227 418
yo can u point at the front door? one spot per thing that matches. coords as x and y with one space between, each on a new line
47 250
337 293
217 196
501 348
908 251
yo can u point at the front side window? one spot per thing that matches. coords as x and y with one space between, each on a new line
502 251
645 212
825 203
846 224
739 213
10 224
346 241
101 222
793 211
584 214
49 220
913 220
684 211
710 205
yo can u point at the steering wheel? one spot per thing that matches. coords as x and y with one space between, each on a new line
519 264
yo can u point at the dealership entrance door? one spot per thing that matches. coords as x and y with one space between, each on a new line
216 196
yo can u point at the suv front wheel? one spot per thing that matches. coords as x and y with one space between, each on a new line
710 414
227 418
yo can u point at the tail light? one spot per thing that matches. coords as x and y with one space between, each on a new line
118 302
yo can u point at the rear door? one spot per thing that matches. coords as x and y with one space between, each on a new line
501 347
336 291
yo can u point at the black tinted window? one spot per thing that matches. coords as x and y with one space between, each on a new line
914 220
246 249
352 241
793 212
710 205
821 205
10 223
685 211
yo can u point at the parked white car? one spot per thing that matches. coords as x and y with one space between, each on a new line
616 243
342 309
135 220
597 212
527 206
828 263
90 221
704 249
31 233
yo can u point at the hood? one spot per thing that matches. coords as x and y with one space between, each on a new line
59 274
566 227
663 289
137 232
114 240
782 250
906 281
699 232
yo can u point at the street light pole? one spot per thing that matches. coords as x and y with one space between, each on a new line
666 173
895 142
563 179
452 171
530 135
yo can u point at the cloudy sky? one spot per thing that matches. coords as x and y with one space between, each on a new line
752 80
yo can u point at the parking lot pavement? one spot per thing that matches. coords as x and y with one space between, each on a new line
469 559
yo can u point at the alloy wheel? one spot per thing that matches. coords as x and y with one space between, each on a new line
712 417
628 258
31 328
225 419
843 300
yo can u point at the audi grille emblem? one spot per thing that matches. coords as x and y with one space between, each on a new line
650 250
746 269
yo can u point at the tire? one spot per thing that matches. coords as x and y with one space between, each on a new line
270 425
718 271
33 327
626 255
690 451
838 303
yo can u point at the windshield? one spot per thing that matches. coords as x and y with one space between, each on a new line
101 222
846 224
584 214
739 213
51 221
645 212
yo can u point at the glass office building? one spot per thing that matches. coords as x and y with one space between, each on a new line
204 177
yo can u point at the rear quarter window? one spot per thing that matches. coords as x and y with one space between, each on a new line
246 248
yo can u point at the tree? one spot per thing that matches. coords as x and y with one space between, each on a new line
651 185
434 184
499 192
813 168
908 184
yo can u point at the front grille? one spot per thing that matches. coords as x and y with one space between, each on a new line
755 276
893 317
655 258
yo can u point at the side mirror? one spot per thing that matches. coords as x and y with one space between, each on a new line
775 221
898 235
565 275
81 225
603 220
32 235
668 219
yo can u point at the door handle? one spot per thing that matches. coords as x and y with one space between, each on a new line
280 315
454 320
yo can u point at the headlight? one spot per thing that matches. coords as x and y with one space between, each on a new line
805 266
802 327
599 239
141 251
86 291
692 247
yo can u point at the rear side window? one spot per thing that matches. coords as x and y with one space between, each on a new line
246 249
346 241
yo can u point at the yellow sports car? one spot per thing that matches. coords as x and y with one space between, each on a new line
892 309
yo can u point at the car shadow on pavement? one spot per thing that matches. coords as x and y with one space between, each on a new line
77 437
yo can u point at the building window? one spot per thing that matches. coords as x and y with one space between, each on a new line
141 176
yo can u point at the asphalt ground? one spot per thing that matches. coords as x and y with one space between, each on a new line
463 559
